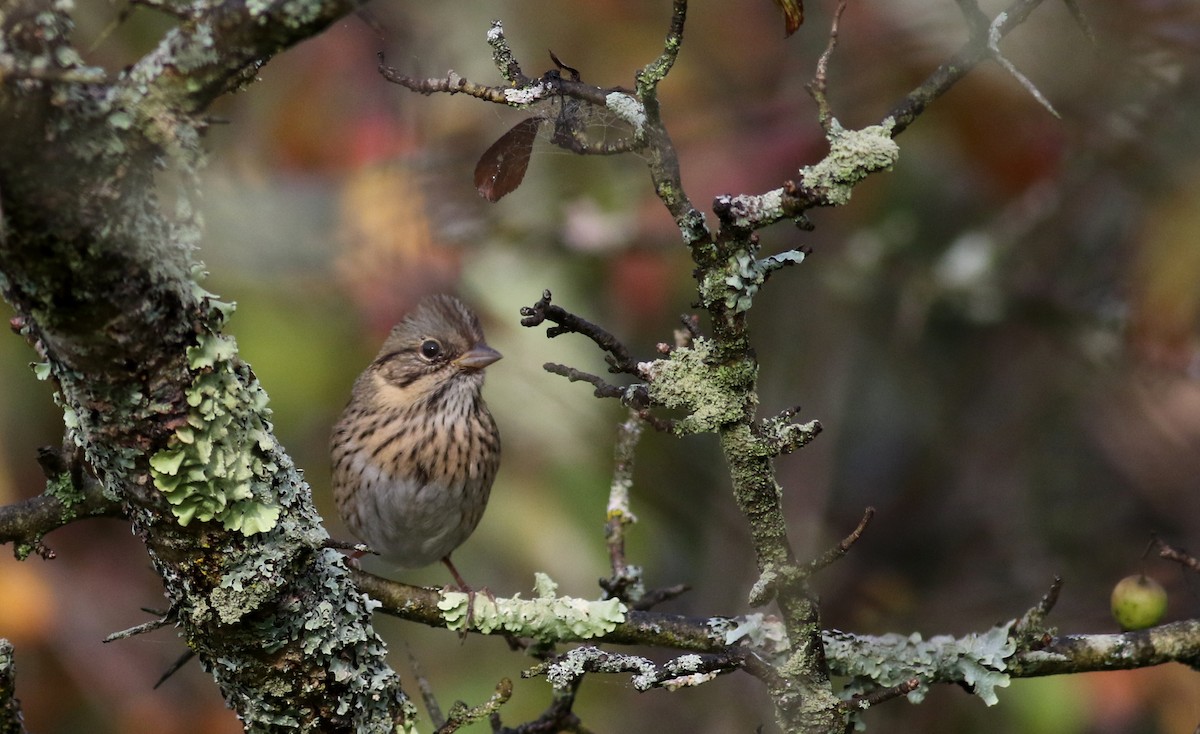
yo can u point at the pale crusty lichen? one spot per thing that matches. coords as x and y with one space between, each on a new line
712 394
629 109
853 154
545 617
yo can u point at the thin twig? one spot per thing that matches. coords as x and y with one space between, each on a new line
436 717
994 36
143 628
654 597
175 667
838 551
604 389
1036 616
867 700
945 76
619 359
820 80
1178 555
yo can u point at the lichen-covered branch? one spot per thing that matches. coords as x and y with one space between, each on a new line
984 662
24 523
10 708
626 581
160 408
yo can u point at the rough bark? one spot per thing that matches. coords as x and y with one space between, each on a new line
96 257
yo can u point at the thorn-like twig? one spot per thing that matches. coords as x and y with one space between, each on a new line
950 72
174 667
1178 555
140 629
1033 622
993 43
436 717
865 701
843 547
820 81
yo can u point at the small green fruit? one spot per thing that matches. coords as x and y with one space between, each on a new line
1138 602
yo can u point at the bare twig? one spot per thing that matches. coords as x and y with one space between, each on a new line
604 389
867 700
25 523
654 597
993 44
1178 555
175 667
166 619
838 551
1034 619
945 76
820 80
619 359
436 717
452 83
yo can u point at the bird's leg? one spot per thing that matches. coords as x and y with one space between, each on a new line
462 586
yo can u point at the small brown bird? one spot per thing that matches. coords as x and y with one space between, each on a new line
416 449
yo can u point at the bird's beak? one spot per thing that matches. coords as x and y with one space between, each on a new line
477 357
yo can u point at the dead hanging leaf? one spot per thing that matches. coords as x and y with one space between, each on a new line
793 14
502 167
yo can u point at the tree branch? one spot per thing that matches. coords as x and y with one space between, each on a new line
165 414
11 721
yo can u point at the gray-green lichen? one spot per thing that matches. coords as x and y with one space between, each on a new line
977 660
629 109
319 620
853 154
545 617
689 379
218 466
738 282
765 635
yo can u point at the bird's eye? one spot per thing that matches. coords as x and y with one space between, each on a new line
430 349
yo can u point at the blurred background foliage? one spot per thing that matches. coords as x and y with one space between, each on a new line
1000 338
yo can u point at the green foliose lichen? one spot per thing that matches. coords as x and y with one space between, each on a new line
712 394
218 466
546 617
